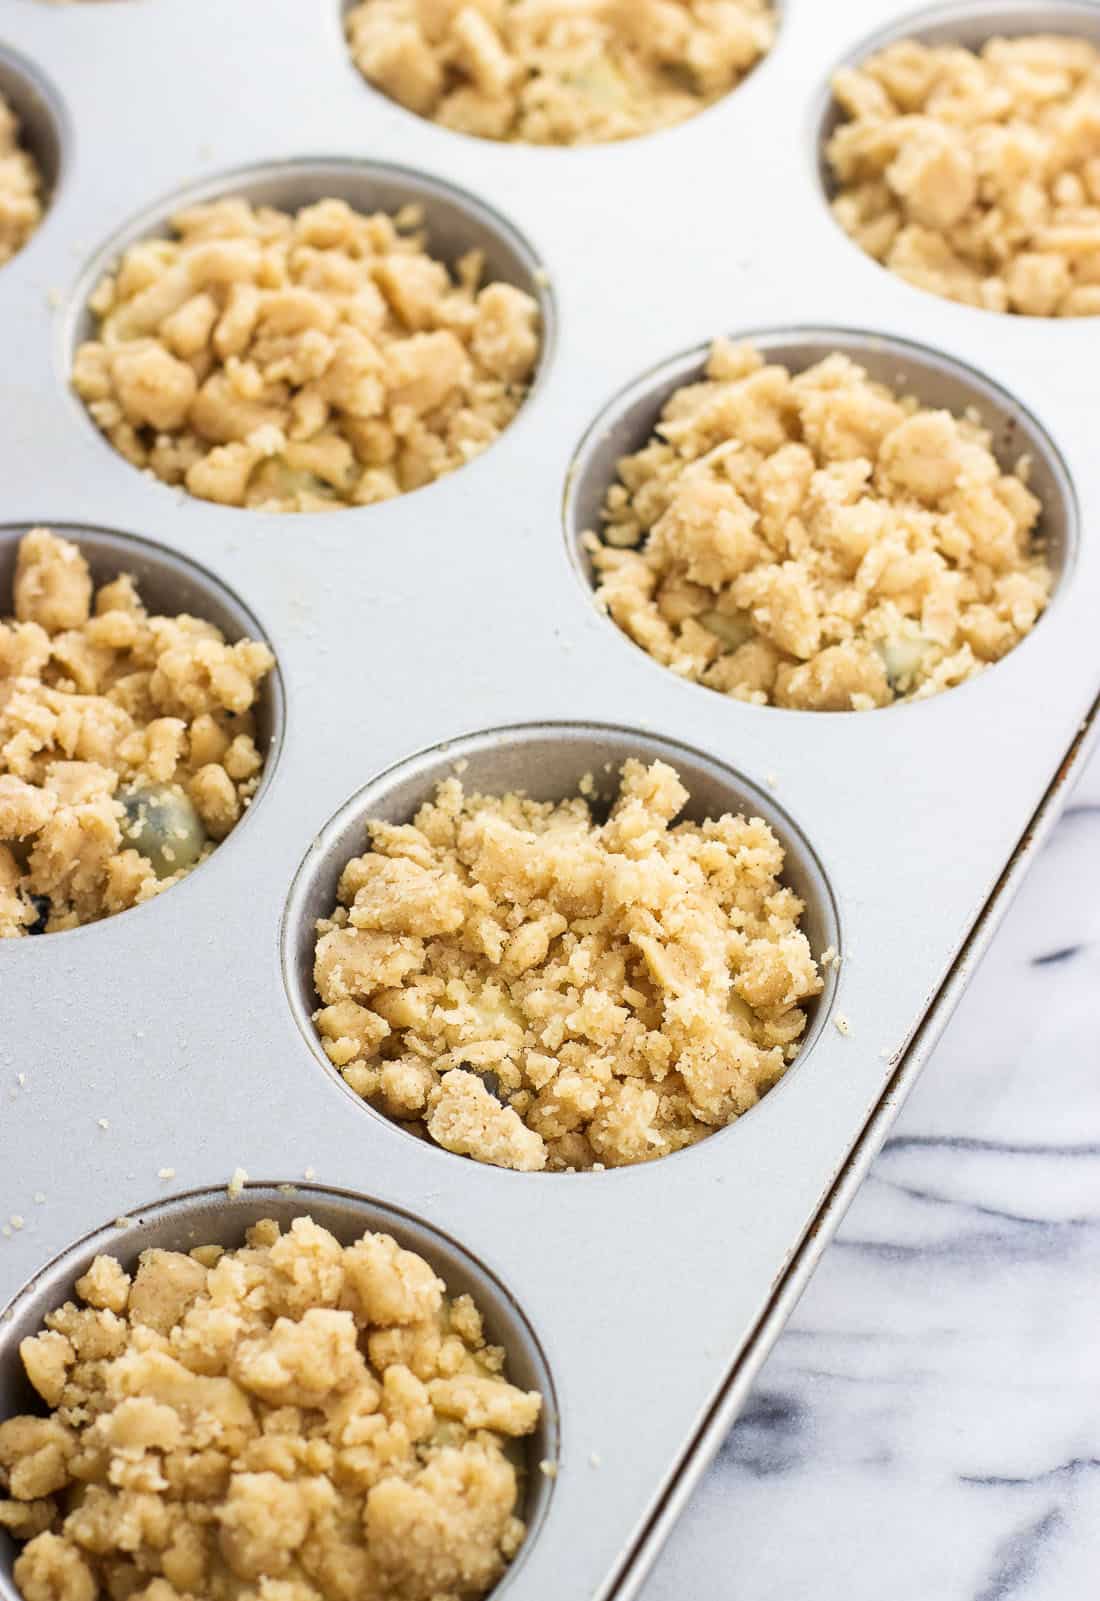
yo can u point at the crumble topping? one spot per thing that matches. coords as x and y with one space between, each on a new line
814 540
20 187
528 986
292 1421
127 742
976 175
302 362
558 72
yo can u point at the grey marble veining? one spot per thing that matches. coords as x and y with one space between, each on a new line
928 1426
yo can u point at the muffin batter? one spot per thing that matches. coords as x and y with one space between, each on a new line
291 1421
536 989
977 176
300 363
127 743
20 187
558 72
817 541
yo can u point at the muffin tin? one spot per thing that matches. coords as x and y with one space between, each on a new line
644 1300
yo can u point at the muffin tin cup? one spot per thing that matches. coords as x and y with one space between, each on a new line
935 380
968 23
208 1217
163 1041
547 762
43 128
168 585
454 221
780 9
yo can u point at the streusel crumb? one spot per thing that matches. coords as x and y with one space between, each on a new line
292 1421
815 540
977 175
558 72
302 362
127 742
531 987
20 187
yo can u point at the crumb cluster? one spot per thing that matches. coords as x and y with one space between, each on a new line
20 187
815 540
977 175
291 1421
536 989
558 72
127 742
302 362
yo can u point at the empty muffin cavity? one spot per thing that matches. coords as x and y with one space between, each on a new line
820 521
962 151
561 948
320 336
132 740
555 72
289 1386
30 151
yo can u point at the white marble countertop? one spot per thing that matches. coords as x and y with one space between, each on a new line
928 1426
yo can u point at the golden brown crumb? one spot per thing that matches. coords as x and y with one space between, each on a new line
558 72
20 187
977 175
537 990
302 363
817 541
109 718
293 1421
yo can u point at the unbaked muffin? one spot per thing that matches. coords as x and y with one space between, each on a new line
127 743
526 984
976 175
814 540
21 187
303 362
292 1421
558 72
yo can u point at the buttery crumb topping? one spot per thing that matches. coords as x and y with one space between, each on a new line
292 1421
558 72
526 985
976 175
297 363
20 187
127 742
815 540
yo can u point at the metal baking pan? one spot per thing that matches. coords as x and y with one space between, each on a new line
459 621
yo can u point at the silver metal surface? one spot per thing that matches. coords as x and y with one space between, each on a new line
653 1292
